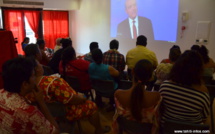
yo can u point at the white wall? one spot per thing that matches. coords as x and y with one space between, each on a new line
50 4
91 23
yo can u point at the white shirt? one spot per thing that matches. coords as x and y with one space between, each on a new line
131 26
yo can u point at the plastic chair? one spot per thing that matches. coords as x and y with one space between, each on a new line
124 84
132 127
75 84
156 87
58 110
211 90
104 88
170 126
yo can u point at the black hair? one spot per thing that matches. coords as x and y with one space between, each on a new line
15 72
203 51
141 40
97 56
25 39
114 44
66 42
195 48
188 69
67 55
142 73
174 54
40 42
31 50
93 45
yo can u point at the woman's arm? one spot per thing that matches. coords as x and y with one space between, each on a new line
113 72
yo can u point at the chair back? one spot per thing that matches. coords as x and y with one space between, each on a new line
207 79
104 88
170 126
73 82
156 87
211 90
133 126
125 84
57 109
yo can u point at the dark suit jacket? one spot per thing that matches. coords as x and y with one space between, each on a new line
145 28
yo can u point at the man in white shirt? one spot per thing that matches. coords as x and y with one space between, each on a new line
134 25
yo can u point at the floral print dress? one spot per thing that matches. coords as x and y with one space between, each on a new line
56 89
19 117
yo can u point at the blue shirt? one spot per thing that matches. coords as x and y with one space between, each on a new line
100 71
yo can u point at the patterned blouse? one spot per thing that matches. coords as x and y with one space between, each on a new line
56 89
18 117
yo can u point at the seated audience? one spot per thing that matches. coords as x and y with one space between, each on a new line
71 66
185 97
163 69
88 56
114 58
97 70
138 53
33 50
56 89
58 44
55 61
17 115
177 53
25 43
45 59
209 65
136 103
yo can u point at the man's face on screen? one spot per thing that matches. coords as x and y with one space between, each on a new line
131 8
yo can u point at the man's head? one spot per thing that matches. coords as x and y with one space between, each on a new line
141 40
131 8
18 75
41 43
32 50
93 45
114 44
58 41
97 56
66 42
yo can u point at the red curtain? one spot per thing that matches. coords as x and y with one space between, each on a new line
33 20
14 21
56 25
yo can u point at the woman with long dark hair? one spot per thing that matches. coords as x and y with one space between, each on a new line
137 103
185 96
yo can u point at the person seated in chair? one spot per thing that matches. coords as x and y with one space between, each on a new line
209 64
98 70
137 103
185 96
88 56
56 89
17 115
72 66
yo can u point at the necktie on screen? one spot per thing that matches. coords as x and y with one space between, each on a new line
134 30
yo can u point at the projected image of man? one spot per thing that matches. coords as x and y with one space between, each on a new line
134 25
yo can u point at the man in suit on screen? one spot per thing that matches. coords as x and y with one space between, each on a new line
134 25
